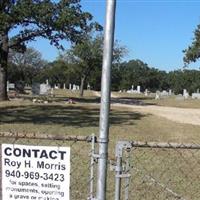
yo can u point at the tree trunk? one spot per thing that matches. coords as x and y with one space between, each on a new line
3 85
3 67
82 85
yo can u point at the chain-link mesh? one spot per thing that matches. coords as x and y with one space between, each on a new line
81 152
160 172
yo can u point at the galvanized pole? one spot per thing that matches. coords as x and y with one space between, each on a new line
105 98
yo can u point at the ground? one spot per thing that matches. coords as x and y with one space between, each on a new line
158 174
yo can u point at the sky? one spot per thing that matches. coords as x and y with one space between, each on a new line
155 32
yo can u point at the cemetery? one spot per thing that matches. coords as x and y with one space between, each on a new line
96 115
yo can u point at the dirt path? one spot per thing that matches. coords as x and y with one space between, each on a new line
181 115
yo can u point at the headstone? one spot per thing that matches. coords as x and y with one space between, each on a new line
64 87
146 92
170 92
7 86
70 86
88 86
40 89
195 95
185 94
74 87
138 89
36 89
164 93
56 86
44 89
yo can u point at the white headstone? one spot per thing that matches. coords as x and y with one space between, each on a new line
146 92
40 89
64 87
138 89
7 86
185 94
70 86
56 86
74 87
195 95
88 86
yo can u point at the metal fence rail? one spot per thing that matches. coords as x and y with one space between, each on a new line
157 171
82 174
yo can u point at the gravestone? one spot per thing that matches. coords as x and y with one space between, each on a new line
74 87
56 86
195 95
185 94
88 86
164 93
138 89
70 86
40 89
10 86
146 92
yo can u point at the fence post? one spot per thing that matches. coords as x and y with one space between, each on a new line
118 171
105 99
92 163
121 145
127 181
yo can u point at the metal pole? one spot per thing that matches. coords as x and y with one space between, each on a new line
105 98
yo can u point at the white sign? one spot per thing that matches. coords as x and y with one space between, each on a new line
35 172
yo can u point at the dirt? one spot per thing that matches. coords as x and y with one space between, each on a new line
181 115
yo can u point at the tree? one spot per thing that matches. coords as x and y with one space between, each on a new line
136 72
87 57
53 20
58 72
192 53
24 67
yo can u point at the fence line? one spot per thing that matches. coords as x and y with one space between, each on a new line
164 145
44 136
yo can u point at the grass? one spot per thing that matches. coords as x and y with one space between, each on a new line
82 118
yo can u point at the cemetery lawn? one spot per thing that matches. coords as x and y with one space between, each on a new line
82 118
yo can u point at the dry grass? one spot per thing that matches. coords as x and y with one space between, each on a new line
82 118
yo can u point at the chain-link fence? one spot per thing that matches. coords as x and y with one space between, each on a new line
82 174
157 171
